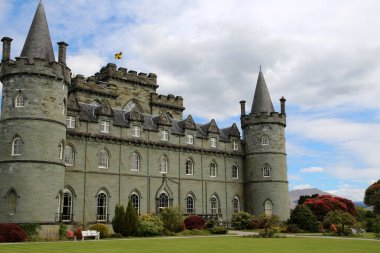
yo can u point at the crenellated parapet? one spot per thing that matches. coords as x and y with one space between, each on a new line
35 66
112 72
92 86
170 101
263 117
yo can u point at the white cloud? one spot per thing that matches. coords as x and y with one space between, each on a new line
354 194
312 170
294 177
85 63
302 186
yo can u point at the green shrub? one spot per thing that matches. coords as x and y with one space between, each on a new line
130 220
241 220
30 229
62 231
149 225
210 224
116 235
172 218
102 228
194 232
269 233
218 230
293 228
118 220
304 218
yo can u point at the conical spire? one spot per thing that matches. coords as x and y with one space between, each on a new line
38 43
261 100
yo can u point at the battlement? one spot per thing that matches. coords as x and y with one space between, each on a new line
111 71
170 101
263 117
35 66
92 85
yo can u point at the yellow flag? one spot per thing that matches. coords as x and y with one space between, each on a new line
119 55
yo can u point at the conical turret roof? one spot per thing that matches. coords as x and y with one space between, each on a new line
38 43
261 101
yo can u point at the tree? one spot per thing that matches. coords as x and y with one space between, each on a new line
172 218
303 198
338 217
304 218
372 196
118 219
131 220
323 204
241 220
267 222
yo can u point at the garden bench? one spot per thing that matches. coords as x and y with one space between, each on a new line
90 233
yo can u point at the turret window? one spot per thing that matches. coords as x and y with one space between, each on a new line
265 140
235 171
213 169
60 150
266 171
19 101
16 146
268 208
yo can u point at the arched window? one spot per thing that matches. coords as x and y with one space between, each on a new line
236 204
69 156
268 208
135 162
103 159
189 167
163 201
235 171
60 151
67 205
16 146
189 204
135 200
11 202
163 164
265 140
19 101
266 171
101 212
214 205
213 169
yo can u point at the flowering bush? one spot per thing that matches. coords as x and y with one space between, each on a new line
333 228
12 233
372 196
323 204
78 232
194 222
70 234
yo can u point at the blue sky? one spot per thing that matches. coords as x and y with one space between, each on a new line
321 55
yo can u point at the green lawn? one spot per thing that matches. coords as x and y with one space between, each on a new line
199 245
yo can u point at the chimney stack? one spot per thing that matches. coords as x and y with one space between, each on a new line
62 52
242 107
6 48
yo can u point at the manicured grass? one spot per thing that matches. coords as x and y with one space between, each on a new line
201 245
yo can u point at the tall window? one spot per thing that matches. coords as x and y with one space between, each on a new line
16 146
60 150
163 164
163 201
265 140
268 208
266 171
19 101
236 204
69 156
235 145
213 142
101 212
136 131
130 106
135 200
67 206
235 171
189 204
214 205
104 126
11 202
103 159
70 122
189 167
213 169
135 162
164 135
190 138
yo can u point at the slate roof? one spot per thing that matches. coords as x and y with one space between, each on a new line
261 101
38 42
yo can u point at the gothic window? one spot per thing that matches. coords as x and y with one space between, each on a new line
101 212
104 126
136 131
69 156
214 205
266 171
135 162
67 205
11 202
213 142
70 122
19 101
189 167
235 171
190 139
189 204
163 201
103 159
135 200
164 135
213 169
236 204
16 146
268 208
163 164
60 150
265 140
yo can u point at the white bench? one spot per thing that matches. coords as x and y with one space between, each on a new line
90 233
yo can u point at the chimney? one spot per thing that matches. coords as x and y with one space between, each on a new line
6 48
242 107
62 52
283 100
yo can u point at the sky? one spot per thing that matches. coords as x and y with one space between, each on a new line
321 55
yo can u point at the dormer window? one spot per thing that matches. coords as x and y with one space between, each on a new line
136 131
213 142
190 139
70 122
235 146
19 101
164 135
104 126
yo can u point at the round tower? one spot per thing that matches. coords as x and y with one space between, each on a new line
32 127
266 183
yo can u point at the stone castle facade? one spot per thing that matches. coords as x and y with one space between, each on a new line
74 147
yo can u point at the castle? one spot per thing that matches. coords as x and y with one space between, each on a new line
74 147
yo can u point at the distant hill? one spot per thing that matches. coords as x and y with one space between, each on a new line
294 195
